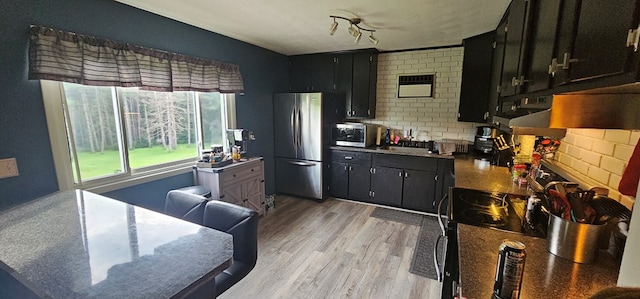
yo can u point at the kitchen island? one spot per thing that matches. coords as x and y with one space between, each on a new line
77 244
545 275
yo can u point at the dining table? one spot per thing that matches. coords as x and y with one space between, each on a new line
78 244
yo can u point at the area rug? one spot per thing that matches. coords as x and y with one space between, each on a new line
422 261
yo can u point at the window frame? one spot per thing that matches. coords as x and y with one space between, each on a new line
53 95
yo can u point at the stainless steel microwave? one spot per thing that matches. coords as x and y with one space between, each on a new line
354 134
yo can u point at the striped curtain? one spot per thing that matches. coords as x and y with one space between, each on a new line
70 57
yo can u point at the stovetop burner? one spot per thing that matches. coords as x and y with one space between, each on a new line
501 211
485 200
486 217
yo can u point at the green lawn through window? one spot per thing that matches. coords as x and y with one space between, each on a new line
108 162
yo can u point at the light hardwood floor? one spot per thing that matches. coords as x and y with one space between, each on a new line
332 249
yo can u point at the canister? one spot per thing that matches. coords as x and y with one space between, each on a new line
574 241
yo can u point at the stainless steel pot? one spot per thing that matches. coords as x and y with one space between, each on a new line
574 241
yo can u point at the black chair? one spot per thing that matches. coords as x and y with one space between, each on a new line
185 205
242 224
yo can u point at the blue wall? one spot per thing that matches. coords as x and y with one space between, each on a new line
23 128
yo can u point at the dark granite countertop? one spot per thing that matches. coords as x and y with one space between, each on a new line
76 244
545 275
481 175
393 150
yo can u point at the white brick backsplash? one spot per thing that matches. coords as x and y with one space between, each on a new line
600 155
434 117
603 147
590 157
599 174
618 136
612 165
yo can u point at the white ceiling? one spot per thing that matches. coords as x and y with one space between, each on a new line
301 26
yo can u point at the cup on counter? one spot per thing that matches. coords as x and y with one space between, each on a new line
235 153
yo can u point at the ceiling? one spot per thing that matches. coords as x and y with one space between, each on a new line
301 27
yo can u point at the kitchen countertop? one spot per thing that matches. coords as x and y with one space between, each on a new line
545 275
394 150
481 175
77 244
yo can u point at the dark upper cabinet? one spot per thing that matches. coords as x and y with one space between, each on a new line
544 16
599 39
300 73
356 75
496 68
362 103
514 46
311 73
476 78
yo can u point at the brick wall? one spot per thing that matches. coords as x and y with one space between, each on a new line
430 118
600 156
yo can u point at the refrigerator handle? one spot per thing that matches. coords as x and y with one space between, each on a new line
293 129
299 129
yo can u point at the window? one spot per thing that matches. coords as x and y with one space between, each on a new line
109 135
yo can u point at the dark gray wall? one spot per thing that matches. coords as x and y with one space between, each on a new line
23 128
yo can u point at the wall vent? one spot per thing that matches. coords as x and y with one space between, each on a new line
415 86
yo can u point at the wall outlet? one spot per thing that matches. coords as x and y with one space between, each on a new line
8 168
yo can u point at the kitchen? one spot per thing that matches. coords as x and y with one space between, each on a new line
616 144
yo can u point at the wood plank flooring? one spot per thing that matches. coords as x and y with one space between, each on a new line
332 249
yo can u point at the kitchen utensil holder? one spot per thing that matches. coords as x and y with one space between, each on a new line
574 241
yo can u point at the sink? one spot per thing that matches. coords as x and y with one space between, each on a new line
408 150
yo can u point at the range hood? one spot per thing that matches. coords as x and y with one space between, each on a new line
603 108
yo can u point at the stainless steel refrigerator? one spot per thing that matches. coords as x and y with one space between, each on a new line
301 127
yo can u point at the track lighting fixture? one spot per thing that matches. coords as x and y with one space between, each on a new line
354 29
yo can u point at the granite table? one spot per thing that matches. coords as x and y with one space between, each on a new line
76 244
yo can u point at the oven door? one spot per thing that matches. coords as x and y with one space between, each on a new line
449 270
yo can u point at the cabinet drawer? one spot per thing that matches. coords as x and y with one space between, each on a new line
239 174
351 157
405 162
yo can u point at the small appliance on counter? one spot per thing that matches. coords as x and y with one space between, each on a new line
238 141
483 141
354 134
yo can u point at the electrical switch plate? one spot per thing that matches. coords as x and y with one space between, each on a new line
8 168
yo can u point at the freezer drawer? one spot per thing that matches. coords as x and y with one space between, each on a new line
299 177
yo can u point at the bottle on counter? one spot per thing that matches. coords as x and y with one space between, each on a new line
387 137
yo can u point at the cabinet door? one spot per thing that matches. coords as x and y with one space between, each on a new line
300 67
322 72
513 46
544 16
386 184
601 36
476 78
359 182
344 78
339 180
233 194
253 193
496 69
418 190
362 88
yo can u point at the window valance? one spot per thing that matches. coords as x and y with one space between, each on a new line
70 57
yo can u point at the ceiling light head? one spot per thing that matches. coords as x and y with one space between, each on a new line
358 36
373 39
353 31
333 28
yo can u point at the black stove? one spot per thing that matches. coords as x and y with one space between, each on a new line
502 211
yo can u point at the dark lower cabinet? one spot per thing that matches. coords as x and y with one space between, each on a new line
418 190
359 182
339 180
410 182
386 186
